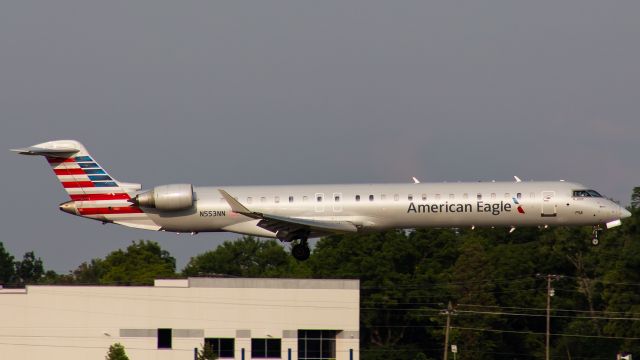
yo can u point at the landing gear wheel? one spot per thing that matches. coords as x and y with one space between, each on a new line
301 251
596 231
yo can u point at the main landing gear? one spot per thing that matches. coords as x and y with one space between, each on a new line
299 239
301 250
596 231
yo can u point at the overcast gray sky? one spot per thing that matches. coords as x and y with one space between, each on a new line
278 92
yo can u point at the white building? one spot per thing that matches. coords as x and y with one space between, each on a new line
239 318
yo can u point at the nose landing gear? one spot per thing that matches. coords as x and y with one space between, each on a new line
596 231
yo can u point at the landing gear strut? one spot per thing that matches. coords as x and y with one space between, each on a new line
301 250
596 231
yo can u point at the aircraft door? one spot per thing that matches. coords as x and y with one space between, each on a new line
549 207
337 202
319 198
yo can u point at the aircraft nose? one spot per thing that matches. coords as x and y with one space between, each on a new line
624 213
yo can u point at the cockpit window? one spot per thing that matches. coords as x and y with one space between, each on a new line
594 193
586 193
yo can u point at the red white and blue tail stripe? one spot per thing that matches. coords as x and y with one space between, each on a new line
93 192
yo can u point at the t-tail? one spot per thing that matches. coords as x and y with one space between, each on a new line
93 192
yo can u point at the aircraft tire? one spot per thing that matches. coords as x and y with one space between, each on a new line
595 241
301 251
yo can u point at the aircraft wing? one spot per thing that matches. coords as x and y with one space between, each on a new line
277 223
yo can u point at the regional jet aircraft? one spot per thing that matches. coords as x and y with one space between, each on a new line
295 213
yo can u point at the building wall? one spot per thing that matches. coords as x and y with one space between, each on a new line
81 322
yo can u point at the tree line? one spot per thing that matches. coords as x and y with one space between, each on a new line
496 281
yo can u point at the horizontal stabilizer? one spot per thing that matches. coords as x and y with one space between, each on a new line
60 152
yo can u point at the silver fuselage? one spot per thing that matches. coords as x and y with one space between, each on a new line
374 207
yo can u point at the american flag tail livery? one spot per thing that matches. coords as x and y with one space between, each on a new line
93 192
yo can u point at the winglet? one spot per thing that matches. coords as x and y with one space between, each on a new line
236 206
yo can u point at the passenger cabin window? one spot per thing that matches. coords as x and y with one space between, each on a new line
383 196
276 199
586 193
452 196
370 197
249 200
290 199
519 196
465 196
396 197
437 196
507 195
305 198
319 198
532 195
493 195
424 196
263 199
336 198
479 196
357 197
410 197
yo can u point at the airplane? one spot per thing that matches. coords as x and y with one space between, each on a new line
295 213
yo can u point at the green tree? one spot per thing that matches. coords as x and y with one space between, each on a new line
140 264
249 257
30 270
635 197
116 352
206 353
7 269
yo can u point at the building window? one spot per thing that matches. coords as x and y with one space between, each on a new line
370 197
357 197
265 348
222 348
164 338
290 199
316 344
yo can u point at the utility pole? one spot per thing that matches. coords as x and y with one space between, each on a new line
449 311
550 293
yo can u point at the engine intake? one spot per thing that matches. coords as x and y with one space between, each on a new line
173 197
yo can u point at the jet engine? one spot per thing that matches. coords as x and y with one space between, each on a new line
173 197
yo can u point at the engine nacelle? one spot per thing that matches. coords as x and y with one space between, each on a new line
172 197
